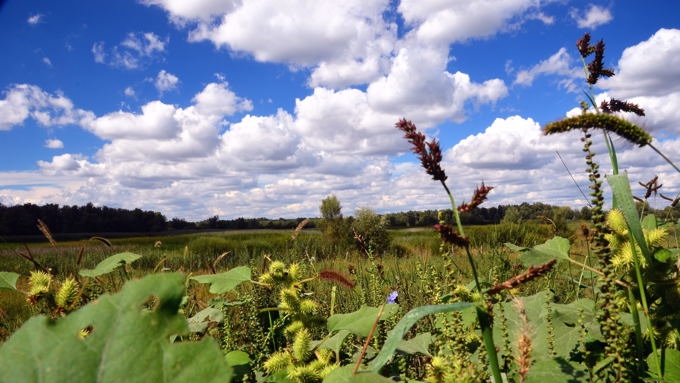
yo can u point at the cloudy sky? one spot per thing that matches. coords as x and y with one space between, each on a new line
259 108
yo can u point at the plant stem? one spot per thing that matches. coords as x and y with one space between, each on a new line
368 340
484 315
664 157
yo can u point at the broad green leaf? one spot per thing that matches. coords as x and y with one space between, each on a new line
671 366
361 321
396 335
556 370
128 341
8 280
345 374
199 322
237 358
565 328
649 222
664 256
334 343
418 344
109 264
239 361
554 248
225 282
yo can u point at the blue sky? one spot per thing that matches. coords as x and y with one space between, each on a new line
258 108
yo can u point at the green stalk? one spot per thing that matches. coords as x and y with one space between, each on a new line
643 300
484 316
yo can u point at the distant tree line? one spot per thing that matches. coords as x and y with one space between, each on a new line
22 219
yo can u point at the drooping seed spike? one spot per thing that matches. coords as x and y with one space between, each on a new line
619 126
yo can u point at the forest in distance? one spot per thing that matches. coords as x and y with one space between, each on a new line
20 220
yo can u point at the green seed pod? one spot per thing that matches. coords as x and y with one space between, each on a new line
294 271
304 374
39 283
300 347
289 299
279 361
293 328
617 222
277 269
67 295
308 307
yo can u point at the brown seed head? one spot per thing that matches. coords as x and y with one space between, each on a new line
449 236
429 153
583 45
596 67
481 193
614 105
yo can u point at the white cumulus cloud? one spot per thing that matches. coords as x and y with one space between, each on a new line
592 17
166 81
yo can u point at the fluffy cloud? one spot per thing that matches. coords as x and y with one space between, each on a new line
181 11
218 99
165 81
650 68
592 17
444 22
559 64
23 101
54 144
419 83
135 51
35 19
649 74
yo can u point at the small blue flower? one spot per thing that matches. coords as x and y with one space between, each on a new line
393 297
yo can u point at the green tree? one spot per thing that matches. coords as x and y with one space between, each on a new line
370 229
334 227
512 215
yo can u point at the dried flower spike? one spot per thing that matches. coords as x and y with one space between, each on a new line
596 67
448 235
614 105
583 45
429 153
478 198
532 273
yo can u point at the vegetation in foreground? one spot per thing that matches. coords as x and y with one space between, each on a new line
598 306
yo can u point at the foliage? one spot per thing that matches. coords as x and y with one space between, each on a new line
122 335
335 228
370 231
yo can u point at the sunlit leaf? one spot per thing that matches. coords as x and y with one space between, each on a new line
418 344
200 321
396 335
335 342
554 248
345 374
109 264
225 282
671 365
556 370
361 321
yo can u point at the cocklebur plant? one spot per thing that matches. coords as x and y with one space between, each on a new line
301 319
629 250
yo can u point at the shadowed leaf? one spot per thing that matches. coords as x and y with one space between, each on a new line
127 341
8 280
